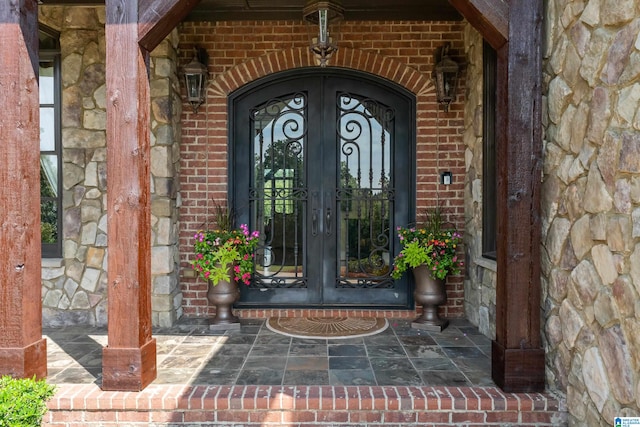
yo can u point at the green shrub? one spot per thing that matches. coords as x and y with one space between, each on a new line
48 232
23 401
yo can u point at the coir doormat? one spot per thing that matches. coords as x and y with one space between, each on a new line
327 327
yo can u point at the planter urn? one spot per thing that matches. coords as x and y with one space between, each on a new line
430 293
222 296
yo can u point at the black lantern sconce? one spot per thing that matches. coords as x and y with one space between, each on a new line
195 78
323 14
446 72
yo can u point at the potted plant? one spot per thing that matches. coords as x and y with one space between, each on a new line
224 257
430 250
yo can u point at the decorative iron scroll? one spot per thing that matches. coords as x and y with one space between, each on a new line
365 194
278 194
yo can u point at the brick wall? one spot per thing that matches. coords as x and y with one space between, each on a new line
240 52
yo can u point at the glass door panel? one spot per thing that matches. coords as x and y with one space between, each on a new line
278 191
365 197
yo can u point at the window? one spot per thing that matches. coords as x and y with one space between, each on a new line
489 204
50 144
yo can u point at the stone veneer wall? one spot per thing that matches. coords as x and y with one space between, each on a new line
480 280
74 287
591 207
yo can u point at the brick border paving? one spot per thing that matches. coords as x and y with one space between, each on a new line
252 406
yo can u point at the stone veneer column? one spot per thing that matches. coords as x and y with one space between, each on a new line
74 287
166 109
591 207
480 280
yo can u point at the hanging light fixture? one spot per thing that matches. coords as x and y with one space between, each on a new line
195 78
446 72
323 14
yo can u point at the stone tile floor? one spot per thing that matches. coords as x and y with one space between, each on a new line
189 353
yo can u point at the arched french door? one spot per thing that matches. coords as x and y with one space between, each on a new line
322 164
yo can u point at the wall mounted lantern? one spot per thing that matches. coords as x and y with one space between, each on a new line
323 14
195 78
446 72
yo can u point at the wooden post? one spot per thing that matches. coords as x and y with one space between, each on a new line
133 28
514 29
23 351
517 353
129 360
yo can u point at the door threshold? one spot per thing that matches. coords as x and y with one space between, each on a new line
263 313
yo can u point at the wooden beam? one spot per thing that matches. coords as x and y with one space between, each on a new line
23 351
72 2
233 10
517 353
129 360
434 10
159 17
489 17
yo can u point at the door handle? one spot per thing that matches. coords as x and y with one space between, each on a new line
314 223
328 202
314 213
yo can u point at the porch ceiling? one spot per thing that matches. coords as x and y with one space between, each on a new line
355 10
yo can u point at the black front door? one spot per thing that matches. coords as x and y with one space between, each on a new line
322 165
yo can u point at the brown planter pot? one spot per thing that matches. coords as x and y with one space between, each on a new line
429 293
222 296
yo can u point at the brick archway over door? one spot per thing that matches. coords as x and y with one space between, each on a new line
355 59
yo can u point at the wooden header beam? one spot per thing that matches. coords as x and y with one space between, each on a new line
159 17
489 17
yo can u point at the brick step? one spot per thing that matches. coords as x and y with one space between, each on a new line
262 406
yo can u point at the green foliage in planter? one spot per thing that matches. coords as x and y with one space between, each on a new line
23 401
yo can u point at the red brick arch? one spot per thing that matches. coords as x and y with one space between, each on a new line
299 57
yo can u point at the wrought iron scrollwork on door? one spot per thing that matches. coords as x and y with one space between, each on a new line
278 193
365 193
